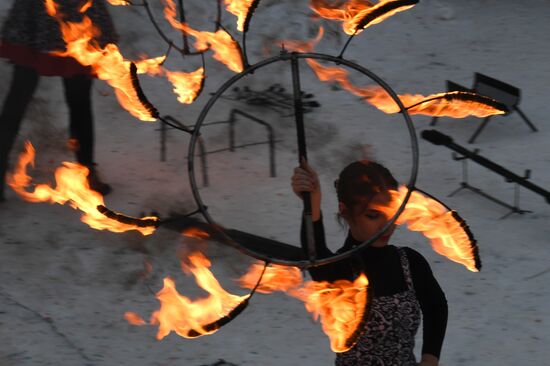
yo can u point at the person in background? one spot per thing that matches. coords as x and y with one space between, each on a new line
403 285
28 35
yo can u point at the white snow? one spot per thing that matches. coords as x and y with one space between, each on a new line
84 280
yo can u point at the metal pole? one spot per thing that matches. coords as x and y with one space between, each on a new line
438 138
302 153
162 141
184 34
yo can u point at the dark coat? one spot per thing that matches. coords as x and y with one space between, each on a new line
28 24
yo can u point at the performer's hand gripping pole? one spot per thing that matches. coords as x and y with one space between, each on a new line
302 152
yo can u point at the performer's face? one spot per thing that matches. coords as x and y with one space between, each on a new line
366 221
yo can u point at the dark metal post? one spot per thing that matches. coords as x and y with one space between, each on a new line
162 141
272 171
184 34
529 123
202 152
232 130
479 129
302 153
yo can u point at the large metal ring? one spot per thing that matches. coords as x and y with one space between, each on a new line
305 263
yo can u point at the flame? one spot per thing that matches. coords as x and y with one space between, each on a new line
71 186
195 233
448 236
51 7
226 49
119 2
339 305
179 314
275 278
349 12
151 66
87 5
134 318
440 104
240 9
107 63
186 85
354 12
304 46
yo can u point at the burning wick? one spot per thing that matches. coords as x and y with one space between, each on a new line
243 9
448 233
72 187
357 15
128 220
486 104
153 112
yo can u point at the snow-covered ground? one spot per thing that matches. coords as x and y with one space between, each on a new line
65 287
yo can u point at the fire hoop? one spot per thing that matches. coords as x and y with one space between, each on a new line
231 237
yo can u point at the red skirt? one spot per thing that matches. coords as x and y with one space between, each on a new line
44 63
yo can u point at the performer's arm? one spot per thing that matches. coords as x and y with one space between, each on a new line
434 307
305 179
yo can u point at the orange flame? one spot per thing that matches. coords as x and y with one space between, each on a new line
353 12
448 237
304 46
134 318
275 278
434 105
119 2
186 85
179 314
226 49
240 9
339 305
151 66
87 5
51 7
107 63
71 186
195 233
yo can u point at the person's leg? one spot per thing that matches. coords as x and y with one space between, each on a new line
81 127
23 84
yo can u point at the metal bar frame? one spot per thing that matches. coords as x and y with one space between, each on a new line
286 57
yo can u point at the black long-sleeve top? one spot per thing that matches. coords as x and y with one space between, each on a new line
382 266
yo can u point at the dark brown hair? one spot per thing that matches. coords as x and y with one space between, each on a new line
360 181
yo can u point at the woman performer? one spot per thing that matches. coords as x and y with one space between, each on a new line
401 279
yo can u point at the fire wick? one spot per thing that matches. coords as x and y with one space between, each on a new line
154 113
128 220
466 96
246 25
463 225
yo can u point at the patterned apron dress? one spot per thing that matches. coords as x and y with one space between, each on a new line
388 337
